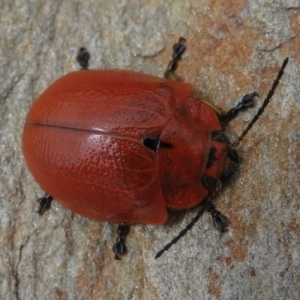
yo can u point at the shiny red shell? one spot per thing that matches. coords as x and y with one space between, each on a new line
83 143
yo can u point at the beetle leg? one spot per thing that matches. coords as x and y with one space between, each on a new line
247 102
219 220
45 203
178 50
119 247
83 58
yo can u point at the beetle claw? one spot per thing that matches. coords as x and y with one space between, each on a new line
178 50
83 58
119 247
219 220
45 203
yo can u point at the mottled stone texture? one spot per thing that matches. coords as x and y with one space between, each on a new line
234 47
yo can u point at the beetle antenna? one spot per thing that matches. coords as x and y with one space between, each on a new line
265 103
183 232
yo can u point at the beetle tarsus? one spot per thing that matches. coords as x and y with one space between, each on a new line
83 58
45 203
265 103
246 102
219 220
178 50
119 247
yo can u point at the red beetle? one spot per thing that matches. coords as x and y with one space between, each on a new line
126 147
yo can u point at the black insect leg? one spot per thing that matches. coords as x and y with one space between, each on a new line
178 50
119 247
219 220
265 103
247 102
45 203
83 58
